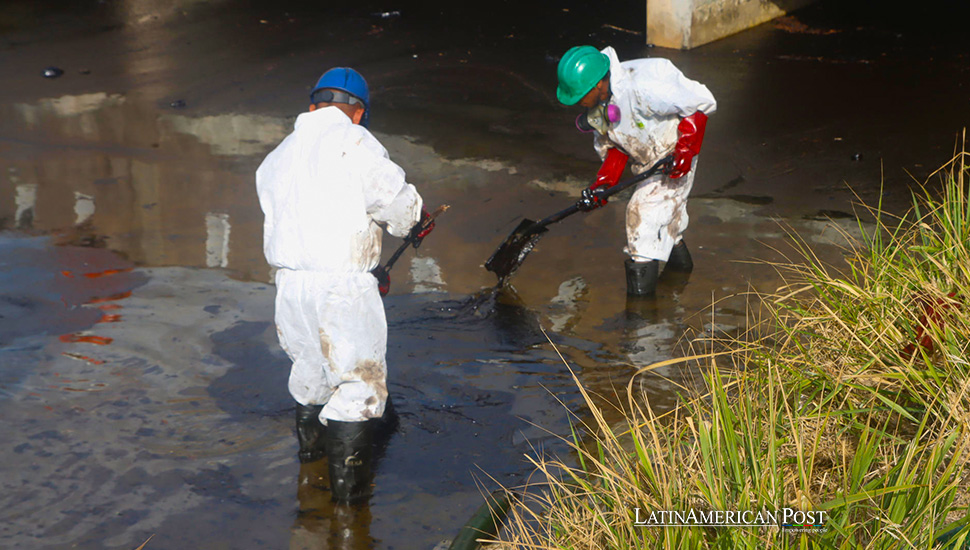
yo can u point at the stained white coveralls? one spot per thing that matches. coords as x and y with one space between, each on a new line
325 192
652 95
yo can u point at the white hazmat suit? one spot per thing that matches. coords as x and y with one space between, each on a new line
325 191
652 95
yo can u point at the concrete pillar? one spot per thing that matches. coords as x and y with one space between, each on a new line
217 229
686 24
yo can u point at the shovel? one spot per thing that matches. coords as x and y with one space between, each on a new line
510 254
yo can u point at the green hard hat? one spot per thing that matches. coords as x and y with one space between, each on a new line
579 71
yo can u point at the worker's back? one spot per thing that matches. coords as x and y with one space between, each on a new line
319 190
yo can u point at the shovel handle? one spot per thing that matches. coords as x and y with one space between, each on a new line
603 193
409 240
660 166
434 214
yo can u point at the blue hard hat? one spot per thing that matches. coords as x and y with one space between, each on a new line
346 80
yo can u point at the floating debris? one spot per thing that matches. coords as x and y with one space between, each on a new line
86 338
857 156
823 59
52 72
177 104
621 29
792 25
84 358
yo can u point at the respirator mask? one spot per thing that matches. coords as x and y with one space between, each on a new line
598 118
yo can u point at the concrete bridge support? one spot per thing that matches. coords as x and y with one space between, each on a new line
686 24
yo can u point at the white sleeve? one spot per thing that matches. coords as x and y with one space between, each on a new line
401 213
388 198
602 144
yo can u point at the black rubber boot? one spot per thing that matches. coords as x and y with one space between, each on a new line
679 259
349 451
310 432
641 277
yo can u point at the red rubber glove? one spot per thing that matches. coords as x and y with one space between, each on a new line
422 228
609 173
691 130
425 222
383 280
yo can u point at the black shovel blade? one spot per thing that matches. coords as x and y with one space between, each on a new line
511 253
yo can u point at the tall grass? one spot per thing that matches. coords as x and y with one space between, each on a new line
850 394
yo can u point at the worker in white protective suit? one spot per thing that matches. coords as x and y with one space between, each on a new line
326 191
642 110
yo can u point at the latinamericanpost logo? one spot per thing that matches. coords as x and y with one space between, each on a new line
786 519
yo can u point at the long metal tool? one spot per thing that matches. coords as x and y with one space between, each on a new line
410 240
512 252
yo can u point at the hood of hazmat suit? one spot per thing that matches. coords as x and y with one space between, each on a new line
652 95
325 191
